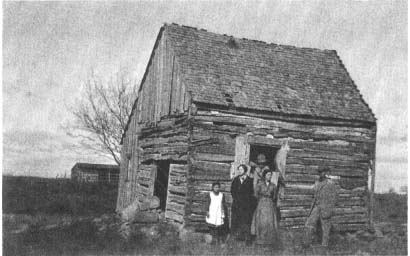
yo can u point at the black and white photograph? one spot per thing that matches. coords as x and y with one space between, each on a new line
205 127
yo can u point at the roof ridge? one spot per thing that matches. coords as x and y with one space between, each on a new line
247 39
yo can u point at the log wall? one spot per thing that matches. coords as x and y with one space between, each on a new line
162 91
167 140
346 150
157 129
177 190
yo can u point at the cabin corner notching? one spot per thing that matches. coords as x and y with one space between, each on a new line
184 132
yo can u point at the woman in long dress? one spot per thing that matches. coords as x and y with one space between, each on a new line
264 223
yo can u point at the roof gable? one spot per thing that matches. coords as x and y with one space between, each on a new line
227 71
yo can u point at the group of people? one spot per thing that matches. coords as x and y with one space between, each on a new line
254 210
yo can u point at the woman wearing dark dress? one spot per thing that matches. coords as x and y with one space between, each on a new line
242 205
264 223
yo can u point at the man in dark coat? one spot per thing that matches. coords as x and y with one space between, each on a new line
322 208
242 205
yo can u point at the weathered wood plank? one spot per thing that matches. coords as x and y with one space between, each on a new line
177 198
325 155
335 170
151 142
182 189
174 216
175 157
213 157
175 207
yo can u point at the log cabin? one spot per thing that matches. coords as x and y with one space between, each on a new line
209 102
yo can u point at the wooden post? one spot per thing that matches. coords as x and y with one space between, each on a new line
371 196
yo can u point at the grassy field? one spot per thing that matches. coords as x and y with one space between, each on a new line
32 195
58 217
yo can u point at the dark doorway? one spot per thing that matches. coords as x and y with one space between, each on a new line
269 152
161 182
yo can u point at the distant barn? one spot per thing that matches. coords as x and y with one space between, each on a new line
209 102
101 173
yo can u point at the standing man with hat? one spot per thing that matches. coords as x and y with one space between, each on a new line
260 165
322 208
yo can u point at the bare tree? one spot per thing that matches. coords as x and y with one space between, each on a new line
102 113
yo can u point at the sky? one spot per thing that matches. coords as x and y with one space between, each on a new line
49 49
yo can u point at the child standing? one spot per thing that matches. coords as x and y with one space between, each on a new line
216 213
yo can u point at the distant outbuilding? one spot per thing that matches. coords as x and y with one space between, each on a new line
103 173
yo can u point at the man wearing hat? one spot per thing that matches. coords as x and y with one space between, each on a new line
322 207
260 165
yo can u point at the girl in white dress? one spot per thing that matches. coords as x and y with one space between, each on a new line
216 213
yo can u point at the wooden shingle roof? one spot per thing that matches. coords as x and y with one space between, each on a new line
248 74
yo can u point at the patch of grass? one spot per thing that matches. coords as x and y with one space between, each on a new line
32 195
390 207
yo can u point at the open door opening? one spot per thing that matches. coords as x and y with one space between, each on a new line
268 151
161 182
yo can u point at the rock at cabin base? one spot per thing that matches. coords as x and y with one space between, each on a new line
128 213
140 205
148 203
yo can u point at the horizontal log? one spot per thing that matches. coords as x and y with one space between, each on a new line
294 213
174 216
179 168
144 173
162 127
196 217
175 207
335 170
260 140
203 170
228 129
304 178
305 202
142 190
305 153
168 149
289 212
351 183
167 156
202 197
345 219
207 186
332 146
288 128
210 167
155 147
290 160
220 148
213 157
199 208
349 227
351 218
181 199
182 189
143 180
270 120
148 142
